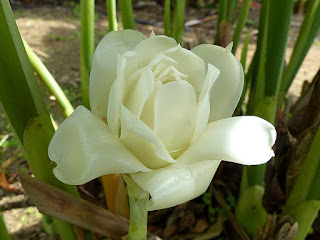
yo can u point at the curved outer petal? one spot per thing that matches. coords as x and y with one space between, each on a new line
173 185
104 67
142 141
227 89
203 111
245 140
84 148
175 112
149 48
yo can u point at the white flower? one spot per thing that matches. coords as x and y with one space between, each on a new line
162 114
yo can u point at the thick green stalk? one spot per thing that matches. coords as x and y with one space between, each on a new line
86 46
232 9
248 74
49 81
112 15
308 31
278 31
167 16
4 235
222 15
126 14
22 101
240 24
178 20
138 199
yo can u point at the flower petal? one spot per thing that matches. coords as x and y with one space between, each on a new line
227 89
118 92
189 64
172 185
203 111
147 115
84 148
104 67
245 140
142 141
175 113
140 92
149 48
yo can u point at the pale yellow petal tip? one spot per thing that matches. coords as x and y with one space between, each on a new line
229 47
152 34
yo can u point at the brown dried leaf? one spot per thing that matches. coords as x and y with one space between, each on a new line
59 204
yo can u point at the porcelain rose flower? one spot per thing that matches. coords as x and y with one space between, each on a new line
162 114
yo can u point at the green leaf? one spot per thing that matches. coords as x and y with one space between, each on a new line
304 213
21 99
19 91
37 137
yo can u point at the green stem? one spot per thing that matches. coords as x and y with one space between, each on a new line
126 14
86 46
222 15
112 15
167 16
49 81
240 24
178 20
4 235
138 199
308 31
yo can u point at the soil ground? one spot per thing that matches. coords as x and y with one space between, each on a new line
53 33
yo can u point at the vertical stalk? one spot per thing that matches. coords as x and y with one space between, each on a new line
222 15
112 15
178 20
49 81
86 46
126 14
138 199
308 31
240 24
167 16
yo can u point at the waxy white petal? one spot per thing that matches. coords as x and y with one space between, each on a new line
203 110
246 140
142 141
140 92
227 89
84 148
149 48
147 115
189 64
175 115
104 67
173 185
